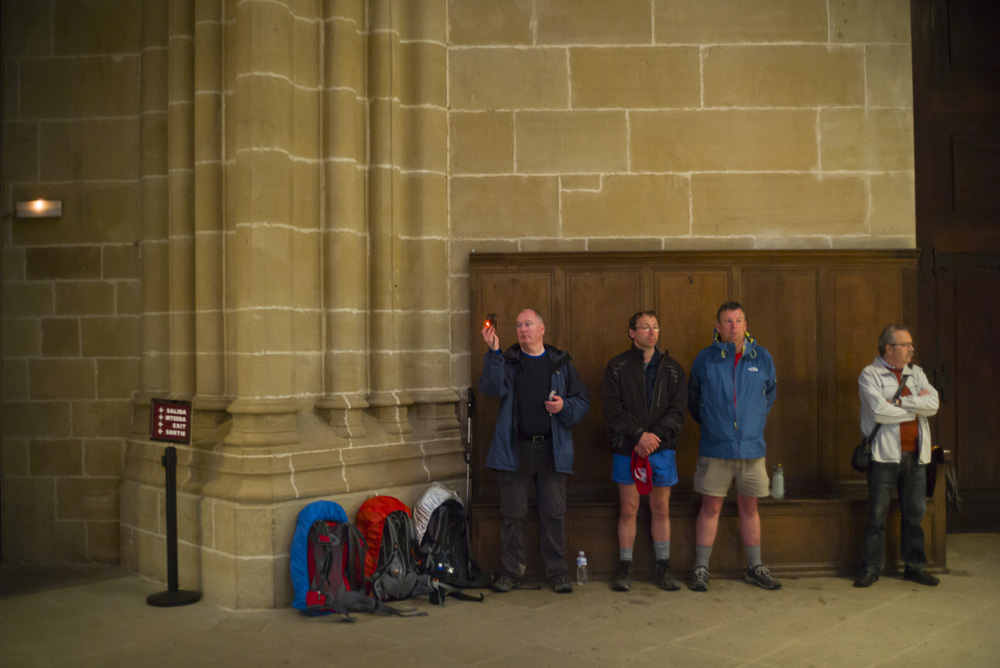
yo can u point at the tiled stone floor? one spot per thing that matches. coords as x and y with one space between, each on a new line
98 616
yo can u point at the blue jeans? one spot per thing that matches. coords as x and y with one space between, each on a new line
910 479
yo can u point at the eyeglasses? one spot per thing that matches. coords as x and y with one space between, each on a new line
902 345
647 328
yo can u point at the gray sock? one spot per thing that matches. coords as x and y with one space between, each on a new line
702 554
661 548
753 555
625 553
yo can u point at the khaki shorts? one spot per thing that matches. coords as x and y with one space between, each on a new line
714 476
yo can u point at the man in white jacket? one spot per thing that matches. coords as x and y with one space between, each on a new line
900 453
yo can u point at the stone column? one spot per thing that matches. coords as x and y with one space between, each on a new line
272 205
345 235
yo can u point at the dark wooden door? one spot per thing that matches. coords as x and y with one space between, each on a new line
956 70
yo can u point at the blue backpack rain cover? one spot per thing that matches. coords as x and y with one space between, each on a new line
299 561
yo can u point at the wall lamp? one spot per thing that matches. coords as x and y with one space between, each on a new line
40 208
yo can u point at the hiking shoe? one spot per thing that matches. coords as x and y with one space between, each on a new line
664 579
760 576
560 584
623 581
699 579
866 579
503 583
920 576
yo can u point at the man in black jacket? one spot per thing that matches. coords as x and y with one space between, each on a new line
644 397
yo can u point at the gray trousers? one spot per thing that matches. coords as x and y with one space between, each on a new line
536 466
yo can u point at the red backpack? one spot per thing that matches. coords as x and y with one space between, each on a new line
370 521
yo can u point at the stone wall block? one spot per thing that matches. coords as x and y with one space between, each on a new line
60 337
110 337
271 328
116 205
62 378
153 158
889 75
504 206
629 205
269 48
866 139
13 261
64 262
423 198
22 337
87 498
128 297
41 419
305 41
103 457
20 152
723 140
721 21
143 507
15 457
207 139
892 211
571 141
111 27
419 369
481 143
305 204
80 87
63 457
345 55
89 150
120 261
473 22
208 50
423 140
97 419
864 21
33 37
421 21
11 84
636 77
593 22
345 114
345 259
103 542
156 293
305 130
508 79
272 203
345 370
28 299
783 76
423 74
777 204
15 379
422 331
117 378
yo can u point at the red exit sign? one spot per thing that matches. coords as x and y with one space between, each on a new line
170 420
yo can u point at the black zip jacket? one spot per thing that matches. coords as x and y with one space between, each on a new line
623 395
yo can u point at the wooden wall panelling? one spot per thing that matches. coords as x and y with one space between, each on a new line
598 306
686 300
782 309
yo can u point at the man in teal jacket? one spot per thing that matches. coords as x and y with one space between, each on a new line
541 398
730 392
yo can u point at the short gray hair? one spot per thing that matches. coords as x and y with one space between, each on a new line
887 336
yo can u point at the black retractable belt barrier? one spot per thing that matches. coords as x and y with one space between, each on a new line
170 421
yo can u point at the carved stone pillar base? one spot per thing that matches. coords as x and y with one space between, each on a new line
437 408
390 408
343 413
263 422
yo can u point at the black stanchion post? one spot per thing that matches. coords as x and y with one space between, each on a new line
176 427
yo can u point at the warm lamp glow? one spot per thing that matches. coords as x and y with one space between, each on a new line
40 208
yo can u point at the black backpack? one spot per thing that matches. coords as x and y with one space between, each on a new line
337 556
398 573
447 549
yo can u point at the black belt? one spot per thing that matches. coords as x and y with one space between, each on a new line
534 439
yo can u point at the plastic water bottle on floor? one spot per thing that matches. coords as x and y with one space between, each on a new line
778 483
581 568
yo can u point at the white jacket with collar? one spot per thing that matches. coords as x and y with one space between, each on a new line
877 384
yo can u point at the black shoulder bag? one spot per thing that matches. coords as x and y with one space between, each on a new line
861 459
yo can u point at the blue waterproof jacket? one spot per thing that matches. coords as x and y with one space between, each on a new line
731 431
500 379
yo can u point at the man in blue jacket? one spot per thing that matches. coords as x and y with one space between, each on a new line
730 392
541 398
